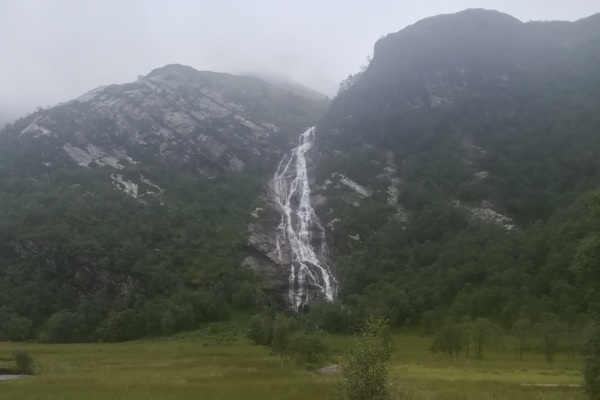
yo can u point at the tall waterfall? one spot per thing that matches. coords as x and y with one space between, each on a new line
299 227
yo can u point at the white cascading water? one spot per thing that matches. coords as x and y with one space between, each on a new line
309 267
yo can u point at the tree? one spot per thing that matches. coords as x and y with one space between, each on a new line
430 321
353 78
364 374
17 329
591 369
260 330
521 332
167 323
283 328
551 330
306 349
586 267
24 362
330 316
449 340
465 327
481 330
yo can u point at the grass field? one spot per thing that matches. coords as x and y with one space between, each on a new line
198 366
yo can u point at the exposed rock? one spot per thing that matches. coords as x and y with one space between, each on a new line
261 248
486 213
175 114
361 191
482 175
129 188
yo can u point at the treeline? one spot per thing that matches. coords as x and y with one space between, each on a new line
469 338
288 336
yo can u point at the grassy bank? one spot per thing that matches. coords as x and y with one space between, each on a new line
204 367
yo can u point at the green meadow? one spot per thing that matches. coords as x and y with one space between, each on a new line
196 365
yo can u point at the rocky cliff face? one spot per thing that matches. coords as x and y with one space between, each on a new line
175 115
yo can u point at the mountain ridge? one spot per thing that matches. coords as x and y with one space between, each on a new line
466 132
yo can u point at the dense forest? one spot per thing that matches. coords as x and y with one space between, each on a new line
82 261
510 132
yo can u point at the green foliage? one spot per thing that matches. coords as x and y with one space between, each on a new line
260 330
450 340
591 370
332 317
454 338
586 266
442 263
481 331
551 329
282 334
23 361
17 329
364 374
283 328
522 331
234 369
82 261
306 349
585 263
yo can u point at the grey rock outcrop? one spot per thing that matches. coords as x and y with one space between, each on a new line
211 121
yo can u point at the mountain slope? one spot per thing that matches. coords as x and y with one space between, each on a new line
127 207
451 165
174 114
292 86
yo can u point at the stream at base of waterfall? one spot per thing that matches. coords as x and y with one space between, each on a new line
300 228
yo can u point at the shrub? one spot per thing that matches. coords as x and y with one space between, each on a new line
24 362
306 350
364 372
17 329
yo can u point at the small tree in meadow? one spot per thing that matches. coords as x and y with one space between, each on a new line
465 327
24 362
521 332
283 328
591 370
481 331
364 374
588 277
305 349
260 330
551 330
448 340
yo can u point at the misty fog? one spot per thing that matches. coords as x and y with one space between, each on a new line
54 51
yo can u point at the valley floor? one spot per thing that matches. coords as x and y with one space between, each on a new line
199 366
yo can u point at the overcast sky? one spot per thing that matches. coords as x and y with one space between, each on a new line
55 50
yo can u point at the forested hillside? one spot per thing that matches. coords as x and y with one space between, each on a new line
125 210
479 139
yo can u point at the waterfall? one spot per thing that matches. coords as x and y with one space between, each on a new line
299 226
